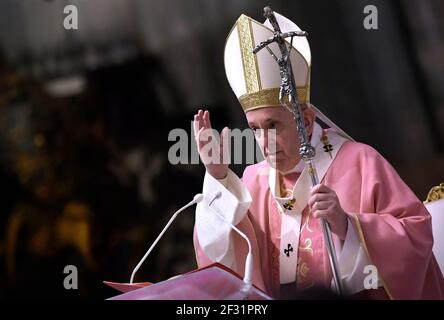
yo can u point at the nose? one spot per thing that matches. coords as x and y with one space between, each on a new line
267 141
262 140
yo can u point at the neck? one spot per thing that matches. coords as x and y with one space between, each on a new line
297 168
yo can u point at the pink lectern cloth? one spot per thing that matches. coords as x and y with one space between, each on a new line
211 283
126 287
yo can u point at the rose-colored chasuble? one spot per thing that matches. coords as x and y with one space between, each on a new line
391 226
311 272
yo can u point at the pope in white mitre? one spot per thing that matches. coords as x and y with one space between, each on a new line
378 224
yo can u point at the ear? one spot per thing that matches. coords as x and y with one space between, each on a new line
309 119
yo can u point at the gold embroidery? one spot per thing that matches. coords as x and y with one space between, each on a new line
306 223
249 59
287 193
283 192
268 97
281 185
289 205
303 269
256 97
327 146
435 193
307 247
311 170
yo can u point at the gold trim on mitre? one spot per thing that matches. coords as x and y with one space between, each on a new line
256 96
269 98
249 59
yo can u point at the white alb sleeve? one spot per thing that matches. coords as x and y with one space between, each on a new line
214 235
352 262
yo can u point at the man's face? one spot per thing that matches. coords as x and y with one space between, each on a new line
275 128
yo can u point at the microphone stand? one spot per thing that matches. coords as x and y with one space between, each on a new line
197 199
248 274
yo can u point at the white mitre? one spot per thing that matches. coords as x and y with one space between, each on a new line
255 78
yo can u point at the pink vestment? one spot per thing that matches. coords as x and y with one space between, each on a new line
393 226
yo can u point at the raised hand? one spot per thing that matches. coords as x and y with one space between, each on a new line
213 149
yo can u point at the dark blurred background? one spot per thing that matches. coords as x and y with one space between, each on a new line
85 116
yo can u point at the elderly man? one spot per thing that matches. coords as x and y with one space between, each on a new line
382 232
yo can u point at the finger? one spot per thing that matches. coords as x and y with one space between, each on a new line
207 119
197 121
201 118
324 213
200 139
204 121
320 188
318 197
200 121
315 189
195 126
321 205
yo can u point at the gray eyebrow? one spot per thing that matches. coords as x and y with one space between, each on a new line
266 121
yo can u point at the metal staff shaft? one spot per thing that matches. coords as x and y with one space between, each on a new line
306 150
327 235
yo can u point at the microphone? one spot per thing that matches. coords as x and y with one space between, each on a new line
248 274
197 198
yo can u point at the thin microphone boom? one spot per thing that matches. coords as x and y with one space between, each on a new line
197 198
248 274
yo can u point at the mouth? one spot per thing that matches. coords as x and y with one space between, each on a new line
275 154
